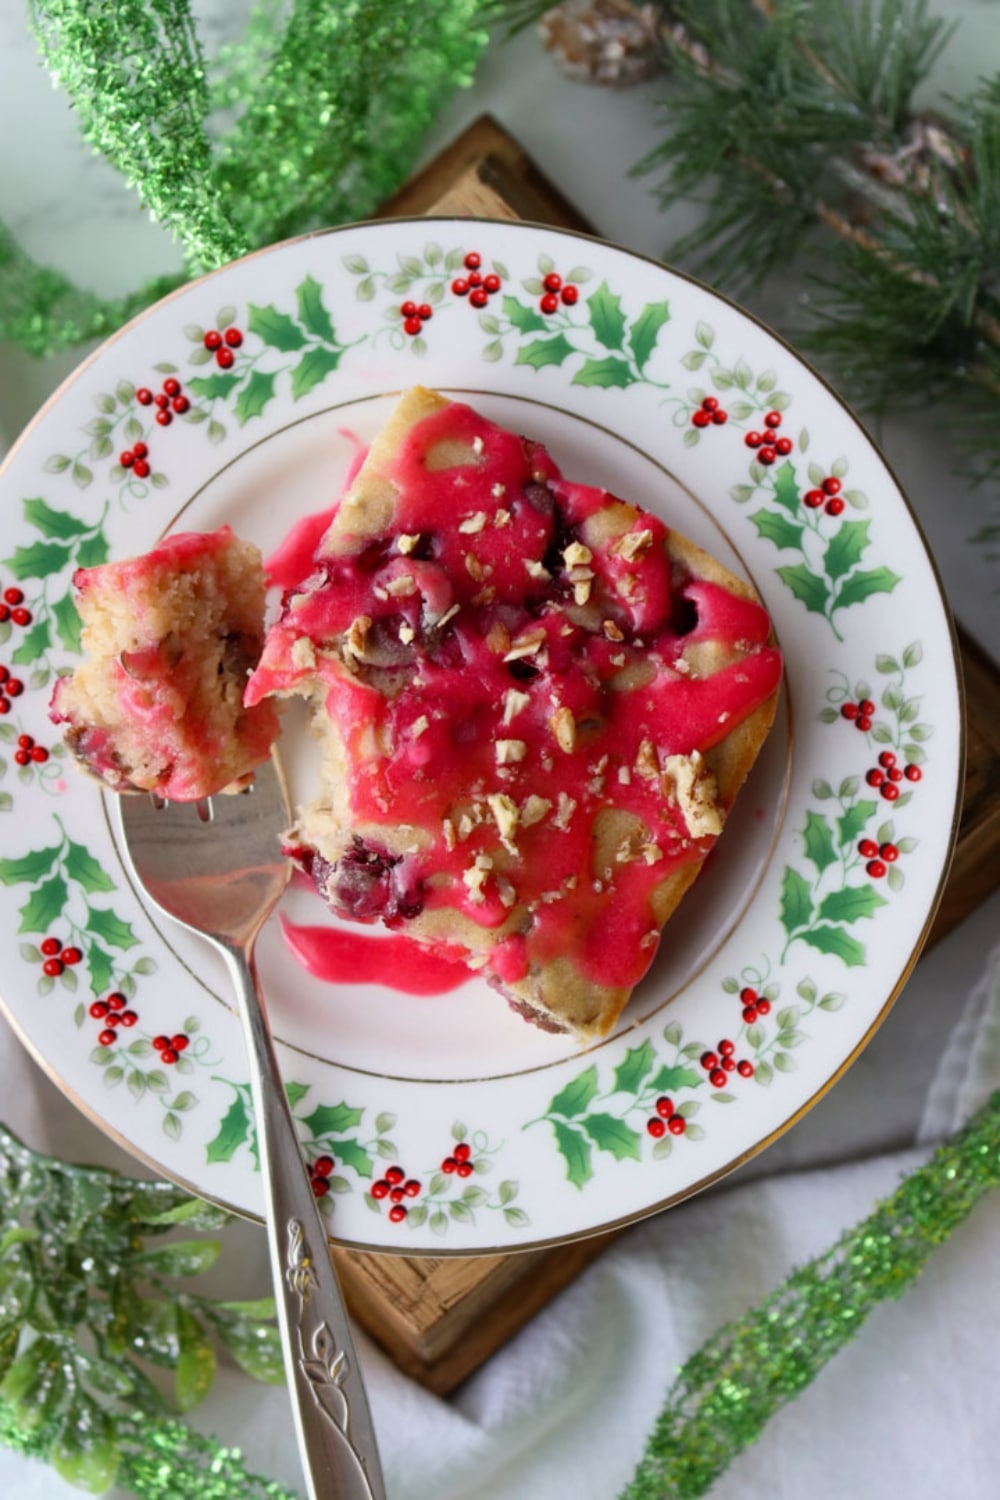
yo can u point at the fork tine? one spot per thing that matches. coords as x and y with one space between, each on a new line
213 864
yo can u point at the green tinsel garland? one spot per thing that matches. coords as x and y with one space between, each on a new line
332 104
162 1460
726 1392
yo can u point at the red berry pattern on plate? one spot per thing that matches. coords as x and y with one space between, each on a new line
83 943
36 764
556 292
888 717
444 1195
653 1099
428 281
343 1155
823 900
475 283
123 1049
709 413
771 1031
333 1145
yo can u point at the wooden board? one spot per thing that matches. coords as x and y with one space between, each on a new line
440 1318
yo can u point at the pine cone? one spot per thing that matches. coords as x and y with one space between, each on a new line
611 42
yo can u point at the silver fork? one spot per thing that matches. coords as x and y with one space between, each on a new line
216 868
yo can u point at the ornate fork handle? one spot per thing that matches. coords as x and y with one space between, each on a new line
332 1420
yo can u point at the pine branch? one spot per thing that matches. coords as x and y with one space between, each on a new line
794 119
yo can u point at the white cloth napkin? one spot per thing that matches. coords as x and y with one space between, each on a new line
564 1410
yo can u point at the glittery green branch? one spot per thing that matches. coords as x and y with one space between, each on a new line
136 77
88 1311
335 122
160 1460
42 311
331 103
727 1391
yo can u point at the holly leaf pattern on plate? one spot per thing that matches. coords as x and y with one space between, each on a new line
778 529
312 313
606 373
838 941
645 331
606 317
613 1135
796 901
851 903
275 328
542 352
860 586
254 396
233 1131
576 1152
313 368
807 586
634 1068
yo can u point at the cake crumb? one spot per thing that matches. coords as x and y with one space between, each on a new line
472 525
408 541
612 632
303 654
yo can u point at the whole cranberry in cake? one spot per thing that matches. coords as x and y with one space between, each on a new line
169 640
536 705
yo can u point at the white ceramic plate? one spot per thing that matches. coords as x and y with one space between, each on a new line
790 949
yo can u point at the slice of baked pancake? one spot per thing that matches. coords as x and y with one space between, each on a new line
169 638
536 705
